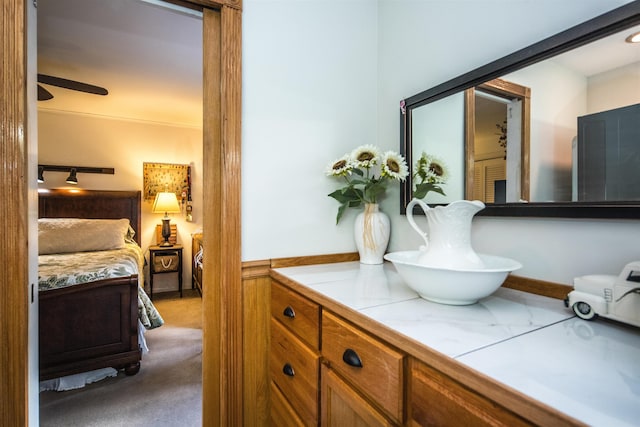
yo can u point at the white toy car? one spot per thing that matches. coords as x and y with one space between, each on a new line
613 297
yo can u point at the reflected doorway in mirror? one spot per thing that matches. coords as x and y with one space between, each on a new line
487 158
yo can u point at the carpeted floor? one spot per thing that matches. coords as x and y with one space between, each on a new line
166 392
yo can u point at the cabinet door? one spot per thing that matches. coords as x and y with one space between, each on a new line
343 406
437 400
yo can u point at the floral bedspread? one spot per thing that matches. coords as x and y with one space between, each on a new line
61 270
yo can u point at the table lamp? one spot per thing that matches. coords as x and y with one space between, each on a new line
167 203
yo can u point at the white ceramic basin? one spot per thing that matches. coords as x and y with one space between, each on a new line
452 286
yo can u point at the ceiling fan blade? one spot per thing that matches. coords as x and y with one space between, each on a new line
43 94
71 84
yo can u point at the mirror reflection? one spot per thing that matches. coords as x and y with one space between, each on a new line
437 131
578 139
497 123
566 91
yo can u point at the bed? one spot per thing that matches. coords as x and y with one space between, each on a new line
89 314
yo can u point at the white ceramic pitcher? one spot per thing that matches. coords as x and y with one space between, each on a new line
449 242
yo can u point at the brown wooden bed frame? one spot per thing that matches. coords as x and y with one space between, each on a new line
93 325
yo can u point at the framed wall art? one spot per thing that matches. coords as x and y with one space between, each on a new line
166 177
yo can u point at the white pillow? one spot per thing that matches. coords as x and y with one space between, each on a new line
64 235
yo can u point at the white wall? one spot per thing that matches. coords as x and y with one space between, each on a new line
313 72
89 140
615 88
309 95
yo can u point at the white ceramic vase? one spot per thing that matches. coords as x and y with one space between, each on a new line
371 232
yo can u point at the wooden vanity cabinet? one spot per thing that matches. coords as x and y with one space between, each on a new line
394 385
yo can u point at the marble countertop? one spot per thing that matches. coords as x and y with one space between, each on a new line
588 370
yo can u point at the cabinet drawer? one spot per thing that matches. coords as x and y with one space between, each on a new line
437 400
282 414
379 377
297 313
295 369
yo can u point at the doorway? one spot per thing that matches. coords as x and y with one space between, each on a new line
497 142
149 57
222 377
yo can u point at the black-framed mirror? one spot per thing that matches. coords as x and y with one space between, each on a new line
570 199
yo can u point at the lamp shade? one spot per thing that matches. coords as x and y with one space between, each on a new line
166 203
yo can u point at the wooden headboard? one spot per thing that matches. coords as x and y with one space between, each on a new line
92 204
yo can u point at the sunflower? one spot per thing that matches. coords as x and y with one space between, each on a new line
365 156
429 172
394 166
438 171
431 169
340 167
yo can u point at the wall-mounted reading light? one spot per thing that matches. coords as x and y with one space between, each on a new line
72 170
72 178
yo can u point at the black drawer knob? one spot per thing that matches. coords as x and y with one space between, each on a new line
351 358
288 370
289 312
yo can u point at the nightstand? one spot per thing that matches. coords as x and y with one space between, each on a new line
163 260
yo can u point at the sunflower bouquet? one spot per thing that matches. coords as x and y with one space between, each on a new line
429 173
366 172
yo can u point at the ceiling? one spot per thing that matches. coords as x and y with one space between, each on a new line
603 55
148 57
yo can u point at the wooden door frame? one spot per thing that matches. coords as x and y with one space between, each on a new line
222 299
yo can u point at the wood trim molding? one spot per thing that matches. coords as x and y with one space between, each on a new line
314 259
212 333
231 277
14 298
256 340
255 269
538 287
261 268
210 4
223 295
469 138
